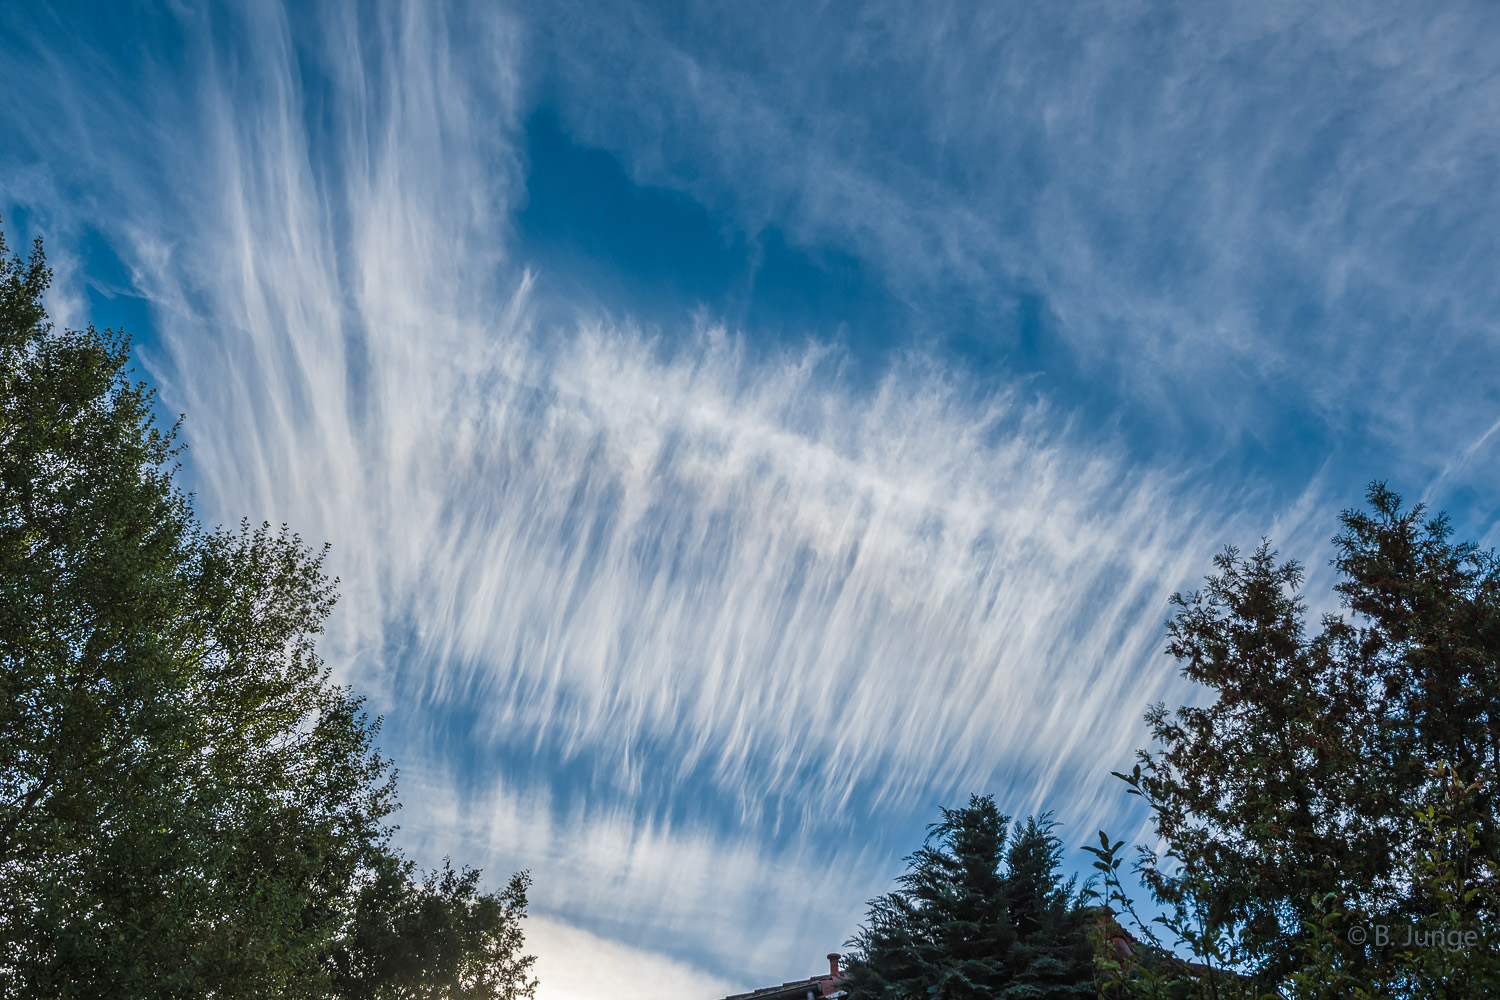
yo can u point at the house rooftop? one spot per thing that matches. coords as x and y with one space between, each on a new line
830 986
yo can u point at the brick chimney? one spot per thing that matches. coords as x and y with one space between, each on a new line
833 964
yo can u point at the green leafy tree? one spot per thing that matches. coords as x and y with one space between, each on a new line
439 937
1313 793
979 914
188 805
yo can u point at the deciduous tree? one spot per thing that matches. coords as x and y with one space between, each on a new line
189 806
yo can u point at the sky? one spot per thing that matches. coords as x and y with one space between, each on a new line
743 430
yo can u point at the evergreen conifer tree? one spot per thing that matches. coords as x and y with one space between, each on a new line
982 912
1343 776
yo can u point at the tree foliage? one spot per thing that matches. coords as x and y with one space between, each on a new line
1341 777
981 912
439 937
189 806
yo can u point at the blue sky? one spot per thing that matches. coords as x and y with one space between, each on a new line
744 429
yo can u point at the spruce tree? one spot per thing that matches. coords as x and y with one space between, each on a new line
1342 774
981 912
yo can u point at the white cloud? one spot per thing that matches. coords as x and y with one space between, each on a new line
573 964
612 540
740 593
727 899
1242 217
663 560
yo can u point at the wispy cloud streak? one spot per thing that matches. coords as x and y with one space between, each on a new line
733 611
602 536
1271 222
